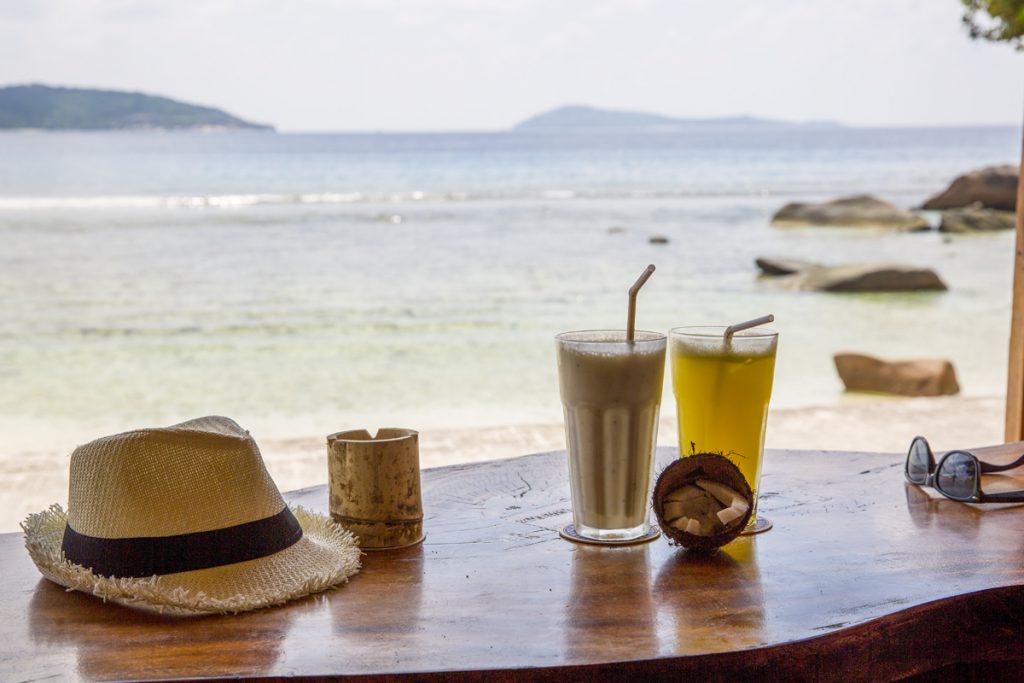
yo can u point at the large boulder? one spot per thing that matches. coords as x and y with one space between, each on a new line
922 377
859 211
866 277
995 187
774 267
973 218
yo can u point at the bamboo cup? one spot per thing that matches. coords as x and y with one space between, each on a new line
374 485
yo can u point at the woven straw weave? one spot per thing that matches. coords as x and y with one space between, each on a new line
200 475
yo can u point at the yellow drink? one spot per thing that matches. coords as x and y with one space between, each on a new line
722 391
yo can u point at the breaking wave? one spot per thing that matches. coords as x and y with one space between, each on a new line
228 201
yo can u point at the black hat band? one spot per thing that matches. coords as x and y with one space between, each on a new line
149 555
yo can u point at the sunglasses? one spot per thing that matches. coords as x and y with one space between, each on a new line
957 474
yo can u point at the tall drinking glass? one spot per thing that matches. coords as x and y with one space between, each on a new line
611 394
722 388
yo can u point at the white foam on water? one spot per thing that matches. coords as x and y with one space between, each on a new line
228 201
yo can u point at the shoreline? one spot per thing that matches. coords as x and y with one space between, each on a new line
32 480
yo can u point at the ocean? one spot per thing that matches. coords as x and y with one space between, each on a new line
306 283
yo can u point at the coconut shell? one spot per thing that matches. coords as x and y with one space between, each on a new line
688 470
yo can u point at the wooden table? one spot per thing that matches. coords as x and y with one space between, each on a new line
863 578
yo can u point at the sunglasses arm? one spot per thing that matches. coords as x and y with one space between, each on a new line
986 467
1006 497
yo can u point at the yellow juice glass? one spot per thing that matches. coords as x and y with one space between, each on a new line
722 388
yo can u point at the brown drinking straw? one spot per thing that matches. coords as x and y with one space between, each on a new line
739 327
631 315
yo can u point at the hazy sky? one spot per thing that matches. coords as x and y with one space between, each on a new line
486 64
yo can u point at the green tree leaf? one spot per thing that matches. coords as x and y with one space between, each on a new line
998 20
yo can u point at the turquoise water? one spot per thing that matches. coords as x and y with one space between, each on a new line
306 283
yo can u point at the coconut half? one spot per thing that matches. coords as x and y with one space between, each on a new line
710 494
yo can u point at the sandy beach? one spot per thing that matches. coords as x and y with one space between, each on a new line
31 481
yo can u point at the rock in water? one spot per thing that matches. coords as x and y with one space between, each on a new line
976 219
860 211
783 266
657 239
995 187
867 277
921 377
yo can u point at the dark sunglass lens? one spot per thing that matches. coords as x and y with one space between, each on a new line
957 476
917 462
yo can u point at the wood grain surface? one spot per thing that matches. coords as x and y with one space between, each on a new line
863 578
1015 370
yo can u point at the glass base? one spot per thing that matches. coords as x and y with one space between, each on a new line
624 534
571 533
762 525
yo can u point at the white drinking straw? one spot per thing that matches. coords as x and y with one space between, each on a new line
739 327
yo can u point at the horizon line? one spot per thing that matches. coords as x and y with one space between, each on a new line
820 124
815 124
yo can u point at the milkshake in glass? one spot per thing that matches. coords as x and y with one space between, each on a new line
611 394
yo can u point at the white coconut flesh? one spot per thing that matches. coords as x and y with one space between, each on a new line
704 508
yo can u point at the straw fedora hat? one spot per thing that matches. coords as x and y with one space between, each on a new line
185 520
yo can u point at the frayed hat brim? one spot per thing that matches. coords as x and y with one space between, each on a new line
325 556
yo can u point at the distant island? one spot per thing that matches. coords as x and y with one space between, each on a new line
581 117
49 108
